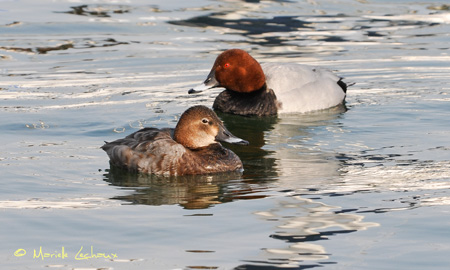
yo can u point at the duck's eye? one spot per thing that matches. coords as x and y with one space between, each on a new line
205 121
227 65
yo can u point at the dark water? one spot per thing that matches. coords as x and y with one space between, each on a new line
360 187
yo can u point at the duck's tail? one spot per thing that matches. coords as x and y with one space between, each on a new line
344 85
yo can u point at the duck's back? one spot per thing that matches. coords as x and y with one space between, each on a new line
152 150
301 88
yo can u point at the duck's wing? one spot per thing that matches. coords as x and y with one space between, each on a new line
301 88
139 138
148 150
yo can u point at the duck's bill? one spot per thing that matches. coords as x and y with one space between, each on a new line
226 136
209 83
237 140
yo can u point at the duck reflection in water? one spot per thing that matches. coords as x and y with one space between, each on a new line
190 191
282 148
203 191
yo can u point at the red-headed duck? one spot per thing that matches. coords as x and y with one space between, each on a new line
191 148
270 88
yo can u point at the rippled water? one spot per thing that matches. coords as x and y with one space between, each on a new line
361 187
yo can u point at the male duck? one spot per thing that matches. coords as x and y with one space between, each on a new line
271 88
191 148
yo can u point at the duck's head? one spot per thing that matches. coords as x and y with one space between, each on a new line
199 126
235 70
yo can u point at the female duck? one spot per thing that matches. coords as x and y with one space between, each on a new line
271 88
191 148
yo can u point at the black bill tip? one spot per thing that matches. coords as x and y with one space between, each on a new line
193 91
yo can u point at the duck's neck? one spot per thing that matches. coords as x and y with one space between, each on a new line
261 102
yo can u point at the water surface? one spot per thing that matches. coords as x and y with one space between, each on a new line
365 186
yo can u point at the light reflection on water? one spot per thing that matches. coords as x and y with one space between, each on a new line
303 224
325 189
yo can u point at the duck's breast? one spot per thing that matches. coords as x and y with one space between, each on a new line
301 88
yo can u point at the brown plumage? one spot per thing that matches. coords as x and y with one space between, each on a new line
191 148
